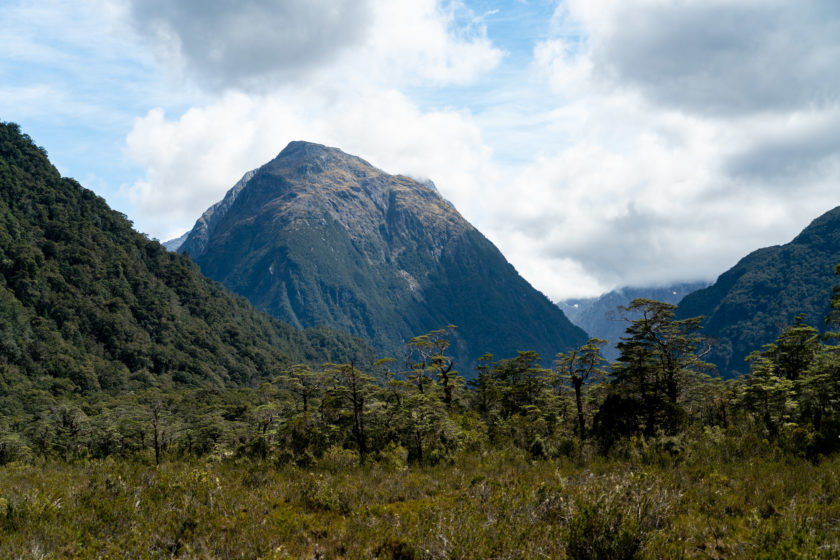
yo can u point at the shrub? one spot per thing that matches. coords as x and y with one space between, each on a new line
337 459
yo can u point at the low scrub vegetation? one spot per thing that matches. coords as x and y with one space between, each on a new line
716 498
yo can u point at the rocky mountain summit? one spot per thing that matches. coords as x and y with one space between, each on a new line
320 237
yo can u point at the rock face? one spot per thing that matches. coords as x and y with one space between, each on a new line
174 244
751 303
319 237
600 318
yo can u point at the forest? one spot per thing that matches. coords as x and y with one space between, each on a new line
652 456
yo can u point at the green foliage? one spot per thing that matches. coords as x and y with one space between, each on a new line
88 304
750 304
581 366
658 358
493 505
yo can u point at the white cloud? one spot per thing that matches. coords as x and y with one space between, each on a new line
259 44
682 146
244 44
717 57
192 161
654 141
423 41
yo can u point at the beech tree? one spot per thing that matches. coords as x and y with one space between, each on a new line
428 361
303 383
352 388
578 367
658 356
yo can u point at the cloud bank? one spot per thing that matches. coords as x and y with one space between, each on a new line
641 142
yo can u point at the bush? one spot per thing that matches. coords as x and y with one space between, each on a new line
393 458
602 532
337 459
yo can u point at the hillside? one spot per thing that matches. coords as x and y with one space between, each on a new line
751 303
319 237
87 303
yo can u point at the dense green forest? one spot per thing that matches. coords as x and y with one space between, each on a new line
87 303
146 412
405 459
751 303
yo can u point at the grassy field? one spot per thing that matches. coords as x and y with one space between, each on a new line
714 501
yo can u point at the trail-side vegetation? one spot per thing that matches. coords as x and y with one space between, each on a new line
725 495
653 458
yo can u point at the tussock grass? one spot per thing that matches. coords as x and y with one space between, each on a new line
496 504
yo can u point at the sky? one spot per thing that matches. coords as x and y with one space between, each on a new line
597 143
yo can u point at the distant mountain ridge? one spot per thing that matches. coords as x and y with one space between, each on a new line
317 236
599 316
751 303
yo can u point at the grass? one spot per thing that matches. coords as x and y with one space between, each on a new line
493 505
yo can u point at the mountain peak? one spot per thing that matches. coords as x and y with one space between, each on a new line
304 149
316 157
318 236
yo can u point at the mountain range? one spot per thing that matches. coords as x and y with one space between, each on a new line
601 318
320 237
323 241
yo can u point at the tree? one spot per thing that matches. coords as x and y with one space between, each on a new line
579 367
303 383
793 381
158 407
352 388
520 381
658 356
795 349
428 360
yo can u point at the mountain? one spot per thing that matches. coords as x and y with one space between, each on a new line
175 244
320 237
751 303
600 318
87 303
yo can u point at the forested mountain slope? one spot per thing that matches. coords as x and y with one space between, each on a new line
320 237
87 303
750 304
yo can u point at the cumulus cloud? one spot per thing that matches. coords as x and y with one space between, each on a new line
255 45
690 134
796 147
229 44
717 56
650 141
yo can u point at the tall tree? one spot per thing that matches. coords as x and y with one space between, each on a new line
578 367
428 359
303 383
352 387
658 355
